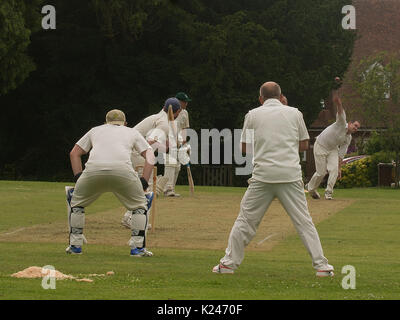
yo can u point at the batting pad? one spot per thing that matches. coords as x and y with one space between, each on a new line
161 183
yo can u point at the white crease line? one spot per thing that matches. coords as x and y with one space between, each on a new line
9 233
266 238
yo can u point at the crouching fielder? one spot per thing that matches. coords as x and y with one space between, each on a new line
109 169
278 134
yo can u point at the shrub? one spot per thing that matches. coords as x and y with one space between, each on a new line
374 143
364 172
355 174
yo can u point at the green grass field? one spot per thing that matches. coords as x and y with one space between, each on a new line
365 234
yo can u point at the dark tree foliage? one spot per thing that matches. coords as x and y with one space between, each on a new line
18 19
134 54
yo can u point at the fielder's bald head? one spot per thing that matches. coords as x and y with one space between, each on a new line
270 90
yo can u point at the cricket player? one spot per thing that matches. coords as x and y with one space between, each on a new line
329 150
109 169
156 129
172 164
276 133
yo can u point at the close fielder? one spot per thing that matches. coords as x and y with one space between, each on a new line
277 133
330 147
109 169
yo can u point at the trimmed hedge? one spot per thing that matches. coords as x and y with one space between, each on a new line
364 172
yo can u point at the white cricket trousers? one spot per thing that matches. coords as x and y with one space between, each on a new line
326 161
123 182
172 168
255 203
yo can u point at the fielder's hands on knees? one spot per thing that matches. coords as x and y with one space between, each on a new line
144 183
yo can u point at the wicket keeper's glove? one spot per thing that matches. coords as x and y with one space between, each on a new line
144 183
76 177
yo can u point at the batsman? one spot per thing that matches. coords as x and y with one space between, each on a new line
180 153
155 130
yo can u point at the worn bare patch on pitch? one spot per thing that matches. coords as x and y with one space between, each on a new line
200 222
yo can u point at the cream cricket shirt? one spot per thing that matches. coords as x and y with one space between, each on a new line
335 136
111 146
277 130
154 127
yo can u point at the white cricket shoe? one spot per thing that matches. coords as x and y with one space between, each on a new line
171 193
220 268
328 196
74 249
313 193
142 252
326 272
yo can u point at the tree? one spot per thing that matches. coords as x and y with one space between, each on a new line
377 96
315 47
133 54
123 18
376 89
18 19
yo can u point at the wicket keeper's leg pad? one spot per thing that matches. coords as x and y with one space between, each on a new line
138 227
77 223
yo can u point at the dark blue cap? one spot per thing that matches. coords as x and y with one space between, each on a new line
174 102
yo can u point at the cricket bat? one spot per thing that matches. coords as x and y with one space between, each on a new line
170 114
172 124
